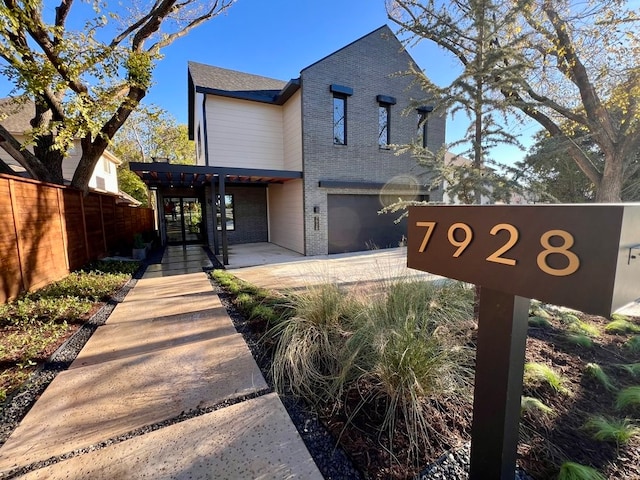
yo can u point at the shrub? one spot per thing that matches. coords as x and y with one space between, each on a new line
575 471
629 397
539 373
622 326
533 405
540 322
632 368
612 430
580 340
595 371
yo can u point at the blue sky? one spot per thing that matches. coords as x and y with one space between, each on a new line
278 38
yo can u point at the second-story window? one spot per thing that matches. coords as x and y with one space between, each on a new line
340 95
384 138
384 120
423 124
339 119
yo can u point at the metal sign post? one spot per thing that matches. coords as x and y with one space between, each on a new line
502 336
580 256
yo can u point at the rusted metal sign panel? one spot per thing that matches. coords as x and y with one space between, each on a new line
579 256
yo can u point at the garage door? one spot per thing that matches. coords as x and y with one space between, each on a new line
354 224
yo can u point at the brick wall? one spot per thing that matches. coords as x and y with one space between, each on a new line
369 66
250 209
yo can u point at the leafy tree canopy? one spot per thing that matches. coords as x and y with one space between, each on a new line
152 133
87 69
549 171
571 66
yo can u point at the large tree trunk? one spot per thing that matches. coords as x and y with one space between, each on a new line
50 157
88 161
44 147
610 187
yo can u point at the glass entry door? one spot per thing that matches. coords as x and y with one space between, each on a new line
183 218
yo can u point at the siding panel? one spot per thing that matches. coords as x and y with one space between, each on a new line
292 117
286 215
244 134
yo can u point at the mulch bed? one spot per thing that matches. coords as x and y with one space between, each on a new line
545 441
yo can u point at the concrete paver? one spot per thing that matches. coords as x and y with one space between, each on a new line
249 440
83 406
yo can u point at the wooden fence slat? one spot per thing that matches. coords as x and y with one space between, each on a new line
12 199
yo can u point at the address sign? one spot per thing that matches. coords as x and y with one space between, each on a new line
580 256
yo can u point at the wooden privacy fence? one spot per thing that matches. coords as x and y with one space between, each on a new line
47 230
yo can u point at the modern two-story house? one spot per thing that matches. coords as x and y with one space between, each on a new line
306 164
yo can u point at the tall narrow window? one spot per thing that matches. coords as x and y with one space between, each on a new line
423 123
229 210
383 125
339 119
384 120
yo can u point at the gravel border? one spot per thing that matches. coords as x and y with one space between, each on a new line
455 465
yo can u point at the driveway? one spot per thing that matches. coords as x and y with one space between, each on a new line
344 268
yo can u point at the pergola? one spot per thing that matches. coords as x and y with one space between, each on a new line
160 175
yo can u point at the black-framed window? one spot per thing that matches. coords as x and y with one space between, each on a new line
339 119
423 124
422 129
229 210
384 120
384 132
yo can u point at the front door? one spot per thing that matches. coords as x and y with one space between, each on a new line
183 217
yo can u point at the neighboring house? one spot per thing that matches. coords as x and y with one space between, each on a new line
304 164
16 117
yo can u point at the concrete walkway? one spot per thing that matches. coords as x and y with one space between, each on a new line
167 349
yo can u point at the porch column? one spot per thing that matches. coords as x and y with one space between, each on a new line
223 217
214 214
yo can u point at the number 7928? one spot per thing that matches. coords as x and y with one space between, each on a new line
460 236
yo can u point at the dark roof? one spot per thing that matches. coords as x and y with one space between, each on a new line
230 80
231 83
16 114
